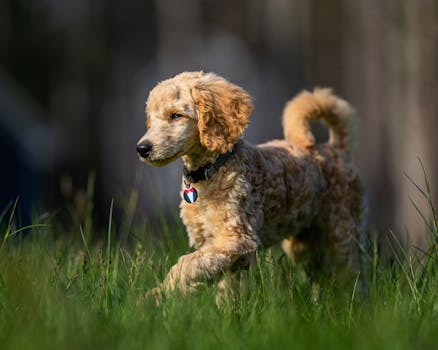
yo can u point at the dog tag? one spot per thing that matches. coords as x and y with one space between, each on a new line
190 194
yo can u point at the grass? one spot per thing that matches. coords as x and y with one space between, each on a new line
73 291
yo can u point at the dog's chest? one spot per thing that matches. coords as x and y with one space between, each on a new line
199 221
218 210
205 220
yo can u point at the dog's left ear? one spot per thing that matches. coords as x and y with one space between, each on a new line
224 110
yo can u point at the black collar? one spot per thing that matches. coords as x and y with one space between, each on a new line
208 171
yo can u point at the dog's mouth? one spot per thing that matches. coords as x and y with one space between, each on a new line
160 162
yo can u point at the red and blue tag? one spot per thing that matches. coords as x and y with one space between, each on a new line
190 194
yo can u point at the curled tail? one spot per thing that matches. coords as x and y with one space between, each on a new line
321 104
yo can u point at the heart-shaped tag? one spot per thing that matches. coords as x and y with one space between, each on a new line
190 194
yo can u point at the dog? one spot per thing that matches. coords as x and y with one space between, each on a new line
238 197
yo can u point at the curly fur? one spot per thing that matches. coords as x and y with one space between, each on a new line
307 196
224 109
323 105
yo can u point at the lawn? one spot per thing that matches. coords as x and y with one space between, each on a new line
75 291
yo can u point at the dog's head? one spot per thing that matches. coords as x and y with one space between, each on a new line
189 110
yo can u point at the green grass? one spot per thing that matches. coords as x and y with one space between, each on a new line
65 293
73 291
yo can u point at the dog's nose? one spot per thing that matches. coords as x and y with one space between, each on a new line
144 149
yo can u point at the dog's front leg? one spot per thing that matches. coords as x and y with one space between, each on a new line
193 270
206 264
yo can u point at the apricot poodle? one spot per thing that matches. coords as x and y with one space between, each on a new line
238 197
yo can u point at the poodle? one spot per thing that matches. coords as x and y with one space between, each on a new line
237 197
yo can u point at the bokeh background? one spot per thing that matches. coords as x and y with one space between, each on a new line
74 76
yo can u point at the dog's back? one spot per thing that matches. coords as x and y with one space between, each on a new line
298 173
311 193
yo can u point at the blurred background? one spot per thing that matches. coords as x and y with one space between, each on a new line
74 76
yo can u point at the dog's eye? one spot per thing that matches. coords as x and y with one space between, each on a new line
176 116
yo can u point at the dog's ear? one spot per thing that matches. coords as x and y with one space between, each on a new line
224 110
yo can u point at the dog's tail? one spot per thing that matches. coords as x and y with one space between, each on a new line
321 104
